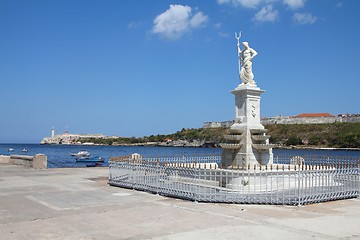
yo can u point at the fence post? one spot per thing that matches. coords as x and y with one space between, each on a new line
197 185
299 199
158 170
358 177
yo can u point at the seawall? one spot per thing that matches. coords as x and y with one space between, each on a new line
38 161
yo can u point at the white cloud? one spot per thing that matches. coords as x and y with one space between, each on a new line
244 3
224 35
218 25
339 4
304 18
198 20
294 4
177 20
266 14
134 24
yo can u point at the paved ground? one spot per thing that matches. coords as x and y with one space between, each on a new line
78 204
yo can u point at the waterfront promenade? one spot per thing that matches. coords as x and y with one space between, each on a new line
77 203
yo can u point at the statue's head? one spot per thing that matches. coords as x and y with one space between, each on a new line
246 44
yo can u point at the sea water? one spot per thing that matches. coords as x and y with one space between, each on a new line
60 155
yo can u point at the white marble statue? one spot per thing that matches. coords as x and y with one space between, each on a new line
245 62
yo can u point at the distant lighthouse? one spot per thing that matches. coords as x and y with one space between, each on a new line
52 132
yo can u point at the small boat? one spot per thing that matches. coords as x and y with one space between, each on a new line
10 149
81 154
24 150
90 159
97 164
83 157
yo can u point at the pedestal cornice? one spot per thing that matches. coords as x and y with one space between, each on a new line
248 89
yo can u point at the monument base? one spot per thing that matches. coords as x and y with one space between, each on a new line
248 143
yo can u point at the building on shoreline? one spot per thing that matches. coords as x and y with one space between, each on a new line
304 118
225 124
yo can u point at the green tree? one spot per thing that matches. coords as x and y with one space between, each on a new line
293 140
315 140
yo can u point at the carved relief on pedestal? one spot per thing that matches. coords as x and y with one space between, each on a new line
253 110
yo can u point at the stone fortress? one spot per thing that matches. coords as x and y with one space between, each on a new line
306 118
68 138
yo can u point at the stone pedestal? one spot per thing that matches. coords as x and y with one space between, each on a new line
247 142
247 106
39 161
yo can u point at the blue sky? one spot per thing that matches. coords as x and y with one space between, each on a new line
135 68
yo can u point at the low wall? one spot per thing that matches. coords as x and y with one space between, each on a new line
309 120
300 120
225 124
39 161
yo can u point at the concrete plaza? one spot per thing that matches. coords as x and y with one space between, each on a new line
77 204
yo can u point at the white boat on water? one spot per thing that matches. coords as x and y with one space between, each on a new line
10 149
24 150
81 154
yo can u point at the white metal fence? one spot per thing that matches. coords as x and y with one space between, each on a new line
201 178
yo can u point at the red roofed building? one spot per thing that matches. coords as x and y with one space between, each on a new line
315 115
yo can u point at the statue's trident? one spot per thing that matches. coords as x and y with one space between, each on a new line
237 37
